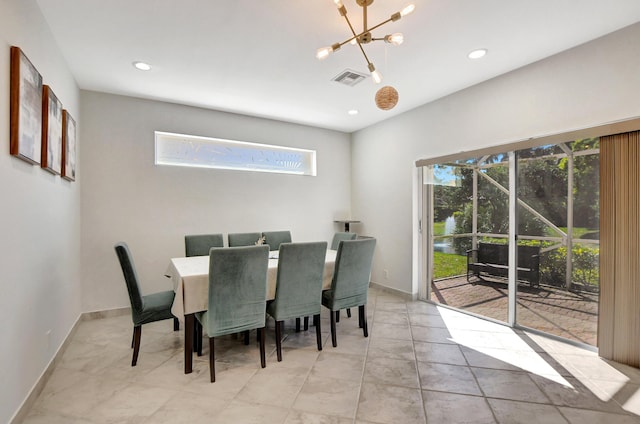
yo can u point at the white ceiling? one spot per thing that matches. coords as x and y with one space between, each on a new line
257 57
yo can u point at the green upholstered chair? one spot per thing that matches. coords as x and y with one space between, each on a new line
338 237
243 239
298 286
144 309
237 295
275 238
350 284
199 244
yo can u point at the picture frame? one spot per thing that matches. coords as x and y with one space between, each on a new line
68 146
51 132
26 109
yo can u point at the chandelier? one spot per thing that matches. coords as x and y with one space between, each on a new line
365 36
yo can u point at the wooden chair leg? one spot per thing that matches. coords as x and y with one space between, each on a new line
316 322
363 318
133 336
334 341
297 325
198 338
348 312
306 323
338 316
246 337
279 340
212 360
263 356
176 324
137 333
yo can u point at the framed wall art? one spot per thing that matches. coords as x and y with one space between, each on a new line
68 146
26 108
51 132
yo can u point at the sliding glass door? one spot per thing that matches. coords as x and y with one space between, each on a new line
547 199
558 215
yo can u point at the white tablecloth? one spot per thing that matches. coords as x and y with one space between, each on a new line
190 278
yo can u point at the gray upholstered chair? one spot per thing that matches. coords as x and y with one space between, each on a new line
237 295
298 286
243 239
350 284
199 244
144 309
338 237
275 238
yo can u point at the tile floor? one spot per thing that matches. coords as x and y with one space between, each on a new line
420 364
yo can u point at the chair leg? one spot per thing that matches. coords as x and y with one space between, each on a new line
263 356
137 333
360 324
133 336
338 316
246 337
198 338
363 318
176 324
306 323
297 325
212 361
334 341
348 312
316 322
279 340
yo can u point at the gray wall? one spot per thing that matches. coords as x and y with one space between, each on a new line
583 87
39 223
126 197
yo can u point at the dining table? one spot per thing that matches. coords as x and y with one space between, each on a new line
190 277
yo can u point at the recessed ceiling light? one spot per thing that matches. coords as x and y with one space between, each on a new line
353 112
477 54
142 66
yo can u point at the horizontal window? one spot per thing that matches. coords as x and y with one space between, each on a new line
205 152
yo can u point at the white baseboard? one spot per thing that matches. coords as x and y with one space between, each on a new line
406 296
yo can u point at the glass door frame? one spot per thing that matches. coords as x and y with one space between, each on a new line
425 231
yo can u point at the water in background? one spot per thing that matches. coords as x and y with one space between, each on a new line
445 245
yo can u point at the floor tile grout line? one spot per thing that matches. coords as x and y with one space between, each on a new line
366 356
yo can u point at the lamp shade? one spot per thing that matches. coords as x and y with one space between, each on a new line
387 97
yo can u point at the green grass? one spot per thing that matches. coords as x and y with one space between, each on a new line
447 265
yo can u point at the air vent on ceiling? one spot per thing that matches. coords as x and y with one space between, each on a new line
349 77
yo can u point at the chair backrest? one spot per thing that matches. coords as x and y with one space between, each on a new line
237 289
338 237
130 277
275 238
200 244
243 239
350 283
299 283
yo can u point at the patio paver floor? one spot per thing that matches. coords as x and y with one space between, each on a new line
568 314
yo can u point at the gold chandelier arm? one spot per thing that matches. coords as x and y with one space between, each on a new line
356 37
363 53
378 26
364 17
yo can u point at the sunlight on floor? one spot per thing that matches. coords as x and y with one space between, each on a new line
499 342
